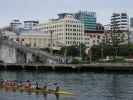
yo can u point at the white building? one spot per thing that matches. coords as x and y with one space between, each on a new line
120 21
65 31
29 24
131 30
34 39
131 35
15 25
107 27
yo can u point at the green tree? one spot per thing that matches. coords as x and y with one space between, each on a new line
74 51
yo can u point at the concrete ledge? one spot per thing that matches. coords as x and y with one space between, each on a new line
70 67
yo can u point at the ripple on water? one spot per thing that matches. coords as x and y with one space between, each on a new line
90 86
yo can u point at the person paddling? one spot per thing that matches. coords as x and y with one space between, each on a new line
57 89
56 92
37 87
45 88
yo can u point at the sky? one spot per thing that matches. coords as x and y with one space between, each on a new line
45 9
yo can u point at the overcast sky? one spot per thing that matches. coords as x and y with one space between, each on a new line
45 9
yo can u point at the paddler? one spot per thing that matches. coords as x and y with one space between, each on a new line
19 84
37 87
1 82
45 88
56 92
28 84
57 89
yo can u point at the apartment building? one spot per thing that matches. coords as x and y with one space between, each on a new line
120 22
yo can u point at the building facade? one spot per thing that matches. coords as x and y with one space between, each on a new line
107 27
15 25
88 19
131 22
120 21
64 31
94 38
131 30
28 25
33 39
99 27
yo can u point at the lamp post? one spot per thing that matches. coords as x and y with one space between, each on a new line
51 42
90 55
80 50
65 54
102 50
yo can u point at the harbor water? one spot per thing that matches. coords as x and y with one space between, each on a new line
88 85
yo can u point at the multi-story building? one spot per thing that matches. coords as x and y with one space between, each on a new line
29 24
15 25
131 30
65 31
88 19
93 32
107 27
120 22
99 27
119 28
131 22
94 38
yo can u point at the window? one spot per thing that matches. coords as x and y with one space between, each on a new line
98 37
74 29
74 25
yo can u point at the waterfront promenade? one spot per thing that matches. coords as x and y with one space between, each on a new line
70 67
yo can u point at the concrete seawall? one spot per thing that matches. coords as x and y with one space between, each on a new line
101 67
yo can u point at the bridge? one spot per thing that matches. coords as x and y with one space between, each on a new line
12 52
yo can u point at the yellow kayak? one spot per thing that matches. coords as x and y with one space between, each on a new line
50 91
40 91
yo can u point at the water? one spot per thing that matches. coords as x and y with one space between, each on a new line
90 86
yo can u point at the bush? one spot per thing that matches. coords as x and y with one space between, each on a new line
75 61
